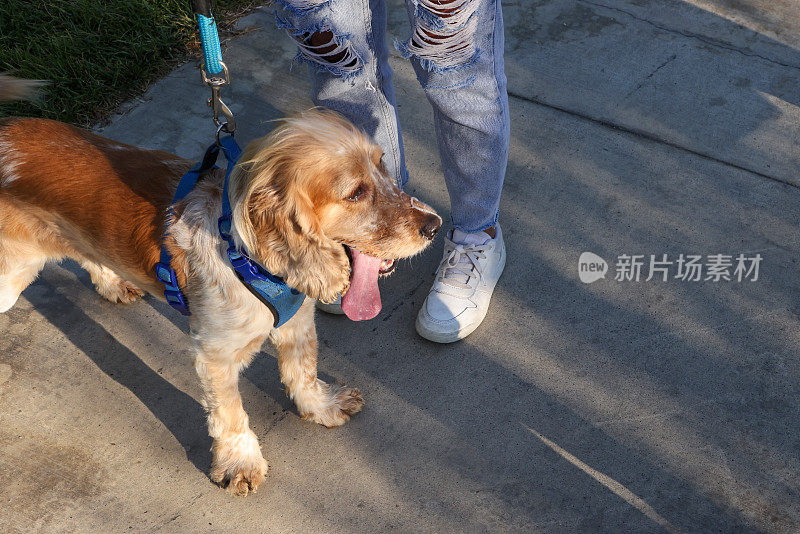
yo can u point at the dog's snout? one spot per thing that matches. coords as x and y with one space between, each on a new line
430 227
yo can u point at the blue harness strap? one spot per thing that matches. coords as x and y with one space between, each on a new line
282 300
164 271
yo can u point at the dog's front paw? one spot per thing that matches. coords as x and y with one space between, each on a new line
128 292
238 464
333 407
110 285
120 290
240 479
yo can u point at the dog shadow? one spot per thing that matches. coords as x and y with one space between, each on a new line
183 416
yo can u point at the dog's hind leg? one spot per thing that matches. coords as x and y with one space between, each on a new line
16 273
20 263
326 404
237 461
110 285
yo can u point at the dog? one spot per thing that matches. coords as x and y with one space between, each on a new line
311 202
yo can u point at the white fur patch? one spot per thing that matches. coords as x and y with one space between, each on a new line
8 297
385 184
243 449
415 204
9 161
119 147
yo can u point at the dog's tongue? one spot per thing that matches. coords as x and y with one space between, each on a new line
363 300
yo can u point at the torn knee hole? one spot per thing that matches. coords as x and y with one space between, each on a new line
447 8
330 51
323 48
444 32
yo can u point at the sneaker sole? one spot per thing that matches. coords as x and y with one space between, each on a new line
452 337
332 309
447 337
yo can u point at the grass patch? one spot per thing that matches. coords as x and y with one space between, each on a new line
97 53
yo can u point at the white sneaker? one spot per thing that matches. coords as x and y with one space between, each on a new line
465 280
334 308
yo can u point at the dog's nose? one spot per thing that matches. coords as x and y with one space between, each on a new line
431 226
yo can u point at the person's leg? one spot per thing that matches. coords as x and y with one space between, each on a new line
457 52
344 44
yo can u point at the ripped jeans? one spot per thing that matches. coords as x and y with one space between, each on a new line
456 48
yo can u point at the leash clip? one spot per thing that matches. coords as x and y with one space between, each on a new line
216 82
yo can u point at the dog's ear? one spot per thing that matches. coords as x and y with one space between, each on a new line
315 264
275 219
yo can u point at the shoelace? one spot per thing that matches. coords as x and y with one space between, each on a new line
463 260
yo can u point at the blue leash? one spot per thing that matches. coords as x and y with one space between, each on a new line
209 37
282 300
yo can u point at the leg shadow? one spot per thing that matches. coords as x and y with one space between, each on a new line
179 412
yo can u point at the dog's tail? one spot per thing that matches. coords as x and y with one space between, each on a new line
16 89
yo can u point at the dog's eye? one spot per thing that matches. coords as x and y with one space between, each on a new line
356 195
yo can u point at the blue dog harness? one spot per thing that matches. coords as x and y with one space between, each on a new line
282 300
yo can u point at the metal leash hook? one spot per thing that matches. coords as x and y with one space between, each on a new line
216 82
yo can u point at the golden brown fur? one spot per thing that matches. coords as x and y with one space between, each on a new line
298 195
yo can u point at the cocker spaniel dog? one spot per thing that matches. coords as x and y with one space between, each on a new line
311 202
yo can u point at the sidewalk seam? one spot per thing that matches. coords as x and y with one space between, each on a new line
702 38
650 137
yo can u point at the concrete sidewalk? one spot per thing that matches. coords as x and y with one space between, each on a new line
662 127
